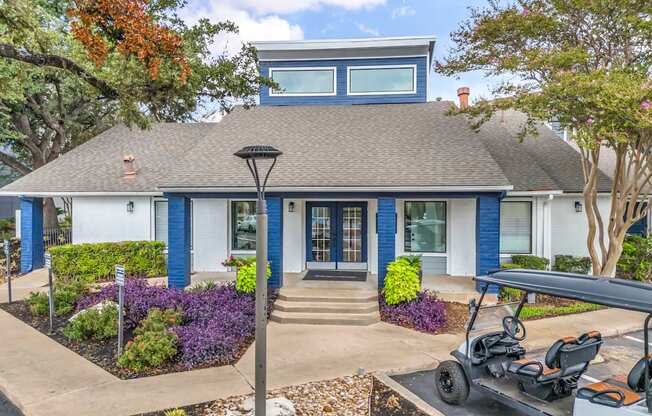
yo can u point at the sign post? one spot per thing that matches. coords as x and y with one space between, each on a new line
48 265
120 282
8 257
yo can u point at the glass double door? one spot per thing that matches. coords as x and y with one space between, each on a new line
336 235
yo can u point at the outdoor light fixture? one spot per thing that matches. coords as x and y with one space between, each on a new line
130 207
578 206
291 207
252 155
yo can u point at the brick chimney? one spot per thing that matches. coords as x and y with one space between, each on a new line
463 95
128 165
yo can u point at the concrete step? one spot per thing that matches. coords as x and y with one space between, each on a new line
325 318
326 307
328 296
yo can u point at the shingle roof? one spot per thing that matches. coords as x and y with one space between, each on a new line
370 146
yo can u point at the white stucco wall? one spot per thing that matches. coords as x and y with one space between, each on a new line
462 237
569 228
210 234
105 219
293 236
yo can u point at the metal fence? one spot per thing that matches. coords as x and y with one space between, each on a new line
57 237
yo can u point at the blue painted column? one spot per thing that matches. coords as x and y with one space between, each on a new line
487 235
386 226
178 241
31 234
275 240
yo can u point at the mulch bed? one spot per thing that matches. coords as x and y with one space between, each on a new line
456 316
105 353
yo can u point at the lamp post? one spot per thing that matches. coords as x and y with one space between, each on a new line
251 154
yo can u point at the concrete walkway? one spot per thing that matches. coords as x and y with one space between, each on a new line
22 286
44 378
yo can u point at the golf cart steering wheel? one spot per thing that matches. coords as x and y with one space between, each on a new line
514 328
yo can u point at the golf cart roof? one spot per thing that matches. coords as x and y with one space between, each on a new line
617 293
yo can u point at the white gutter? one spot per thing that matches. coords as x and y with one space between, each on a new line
345 189
534 193
66 193
274 45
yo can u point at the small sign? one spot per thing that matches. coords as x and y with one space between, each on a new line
48 261
120 275
6 247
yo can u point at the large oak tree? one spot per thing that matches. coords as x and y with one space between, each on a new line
585 63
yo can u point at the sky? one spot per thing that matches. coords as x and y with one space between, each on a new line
335 19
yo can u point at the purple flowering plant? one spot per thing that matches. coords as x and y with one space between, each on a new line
426 313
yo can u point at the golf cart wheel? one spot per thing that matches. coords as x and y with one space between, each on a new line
451 383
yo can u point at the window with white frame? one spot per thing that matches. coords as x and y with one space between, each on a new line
516 227
425 227
243 225
303 81
389 79
161 221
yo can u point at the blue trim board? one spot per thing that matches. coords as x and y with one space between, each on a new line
386 225
275 240
487 236
341 77
31 234
178 241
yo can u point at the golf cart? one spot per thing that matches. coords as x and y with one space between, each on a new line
493 362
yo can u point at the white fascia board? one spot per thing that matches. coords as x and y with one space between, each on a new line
344 43
534 193
66 194
270 189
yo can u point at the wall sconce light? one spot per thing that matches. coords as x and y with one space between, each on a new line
130 207
578 206
291 207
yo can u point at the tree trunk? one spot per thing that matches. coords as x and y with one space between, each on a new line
50 220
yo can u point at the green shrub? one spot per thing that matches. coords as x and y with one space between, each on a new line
414 261
246 279
149 350
530 262
510 266
572 264
94 324
66 296
158 320
96 262
636 259
509 294
401 282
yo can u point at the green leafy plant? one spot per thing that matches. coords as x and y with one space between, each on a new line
401 282
509 294
201 286
94 324
636 260
414 261
175 412
96 262
149 350
510 266
572 264
246 279
158 320
65 299
530 262
535 312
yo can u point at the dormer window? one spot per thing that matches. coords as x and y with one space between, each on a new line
381 80
304 81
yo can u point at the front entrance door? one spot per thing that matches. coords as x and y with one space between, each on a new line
336 235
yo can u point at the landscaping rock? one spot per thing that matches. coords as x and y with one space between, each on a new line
99 307
279 406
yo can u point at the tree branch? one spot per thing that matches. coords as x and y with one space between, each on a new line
14 163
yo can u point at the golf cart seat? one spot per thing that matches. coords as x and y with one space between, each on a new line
618 391
565 362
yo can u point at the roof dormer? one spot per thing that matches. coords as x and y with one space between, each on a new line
347 71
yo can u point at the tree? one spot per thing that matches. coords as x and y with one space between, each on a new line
70 69
585 63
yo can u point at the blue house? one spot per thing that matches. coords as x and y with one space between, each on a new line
371 170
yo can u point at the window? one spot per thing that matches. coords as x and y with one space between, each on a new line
516 227
161 221
382 80
303 81
425 227
243 225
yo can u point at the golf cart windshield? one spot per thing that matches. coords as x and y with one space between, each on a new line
490 318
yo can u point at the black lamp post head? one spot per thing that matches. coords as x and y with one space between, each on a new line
258 152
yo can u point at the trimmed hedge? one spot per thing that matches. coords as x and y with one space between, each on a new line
96 262
572 264
530 262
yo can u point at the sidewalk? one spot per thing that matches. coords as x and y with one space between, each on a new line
22 286
44 378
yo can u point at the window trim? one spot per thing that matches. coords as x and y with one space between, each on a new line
155 203
510 253
232 231
446 231
273 93
414 79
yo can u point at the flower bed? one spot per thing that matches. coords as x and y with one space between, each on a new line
426 313
216 325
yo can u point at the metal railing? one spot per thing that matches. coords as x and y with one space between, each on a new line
57 237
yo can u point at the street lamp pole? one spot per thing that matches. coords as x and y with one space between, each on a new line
251 154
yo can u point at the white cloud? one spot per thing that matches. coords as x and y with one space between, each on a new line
403 11
368 30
